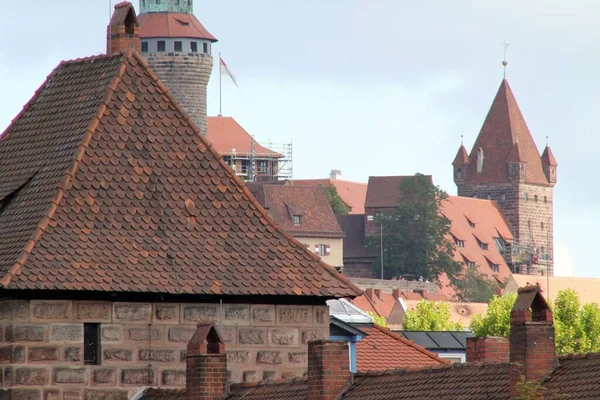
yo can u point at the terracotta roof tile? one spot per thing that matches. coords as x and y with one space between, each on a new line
352 193
310 203
503 127
453 382
382 350
516 155
289 390
577 377
120 14
548 157
113 189
462 157
228 137
172 25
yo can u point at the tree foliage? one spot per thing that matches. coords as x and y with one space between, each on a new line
379 320
430 316
337 204
472 285
415 235
497 320
577 328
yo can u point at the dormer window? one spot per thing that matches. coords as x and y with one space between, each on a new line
296 219
460 243
479 160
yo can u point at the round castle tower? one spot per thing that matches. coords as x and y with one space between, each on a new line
178 49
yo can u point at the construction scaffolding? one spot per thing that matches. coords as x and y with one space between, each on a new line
263 162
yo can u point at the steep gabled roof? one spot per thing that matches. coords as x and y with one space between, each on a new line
282 202
228 137
383 349
114 189
503 127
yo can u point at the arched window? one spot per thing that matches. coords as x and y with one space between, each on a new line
479 160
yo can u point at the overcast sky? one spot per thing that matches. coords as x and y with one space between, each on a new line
374 87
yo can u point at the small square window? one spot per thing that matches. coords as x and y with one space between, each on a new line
91 344
495 267
144 47
161 45
322 249
296 219
205 47
194 47
369 218
178 46
471 264
460 243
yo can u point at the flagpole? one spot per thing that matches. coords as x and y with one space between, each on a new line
220 88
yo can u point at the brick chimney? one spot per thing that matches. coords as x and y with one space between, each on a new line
206 365
491 349
328 369
123 32
532 347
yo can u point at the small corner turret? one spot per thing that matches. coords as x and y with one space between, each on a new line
460 164
549 165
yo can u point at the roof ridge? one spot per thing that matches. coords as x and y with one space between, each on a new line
238 180
277 382
410 343
430 368
68 175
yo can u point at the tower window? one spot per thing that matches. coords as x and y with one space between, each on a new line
161 45
178 46
545 199
535 198
205 47
526 197
91 344
503 197
194 47
479 160
542 225
157 1
144 47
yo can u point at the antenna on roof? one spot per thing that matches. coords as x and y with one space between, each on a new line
504 62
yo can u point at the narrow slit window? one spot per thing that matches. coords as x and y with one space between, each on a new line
91 344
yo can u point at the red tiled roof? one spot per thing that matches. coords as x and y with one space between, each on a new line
548 157
516 155
352 193
316 216
383 349
462 157
383 191
294 389
489 224
503 127
228 137
381 305
172 25
451 382
106 185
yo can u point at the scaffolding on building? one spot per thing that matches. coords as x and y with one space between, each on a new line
274 164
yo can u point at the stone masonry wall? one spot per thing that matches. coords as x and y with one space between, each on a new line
529 212
143 344
186 75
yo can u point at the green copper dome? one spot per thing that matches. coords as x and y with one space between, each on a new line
176 6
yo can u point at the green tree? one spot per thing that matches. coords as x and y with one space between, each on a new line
430 316
497 320
577 328
337 204
379 320
471 285
416 235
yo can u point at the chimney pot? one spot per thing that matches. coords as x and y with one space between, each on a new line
123 31
206 365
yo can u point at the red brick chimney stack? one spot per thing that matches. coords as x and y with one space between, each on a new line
123 32
206 365
491 349
328 369
532 347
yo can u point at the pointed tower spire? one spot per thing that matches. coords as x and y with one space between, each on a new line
549 165
460 164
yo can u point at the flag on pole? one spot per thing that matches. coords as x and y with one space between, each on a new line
226 71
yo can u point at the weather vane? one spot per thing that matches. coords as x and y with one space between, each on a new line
504 62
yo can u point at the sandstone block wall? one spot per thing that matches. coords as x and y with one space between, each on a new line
186 75
144 344
529 212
